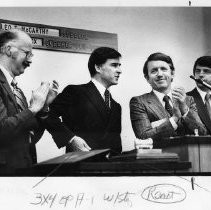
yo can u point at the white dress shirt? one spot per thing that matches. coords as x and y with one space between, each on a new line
203 94
99 87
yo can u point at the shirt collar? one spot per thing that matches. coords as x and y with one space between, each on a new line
161 95
202 93
9 78
99 86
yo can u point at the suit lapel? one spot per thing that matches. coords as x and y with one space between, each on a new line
155 105
96 99
7 88
202 111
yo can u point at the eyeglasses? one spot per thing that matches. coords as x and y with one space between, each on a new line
27 53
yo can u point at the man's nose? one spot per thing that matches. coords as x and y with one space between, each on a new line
119 70
201 74
159 72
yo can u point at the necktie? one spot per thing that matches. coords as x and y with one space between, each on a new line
22 105
207 104
168 107
107 98
19 96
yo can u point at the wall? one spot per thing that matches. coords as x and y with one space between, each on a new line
207 29
178 32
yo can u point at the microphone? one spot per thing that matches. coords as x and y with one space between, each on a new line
201 82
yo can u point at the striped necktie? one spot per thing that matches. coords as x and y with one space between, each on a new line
22 105
207 104
168 106
19 96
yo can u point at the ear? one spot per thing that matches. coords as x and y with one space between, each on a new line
147 78
12 52
7 50
172 74
97 68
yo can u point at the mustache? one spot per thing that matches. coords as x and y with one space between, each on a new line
26 63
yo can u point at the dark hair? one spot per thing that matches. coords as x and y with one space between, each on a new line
157 57
204 61
99 56
6 36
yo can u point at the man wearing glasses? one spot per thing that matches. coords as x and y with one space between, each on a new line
20 125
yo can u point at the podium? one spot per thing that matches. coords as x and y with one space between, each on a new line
196 149
107 163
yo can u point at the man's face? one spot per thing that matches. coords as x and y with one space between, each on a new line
21 54
203 73
160 76
109 72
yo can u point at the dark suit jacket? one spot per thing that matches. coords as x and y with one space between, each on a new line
147 108
202 111
84 114
14 131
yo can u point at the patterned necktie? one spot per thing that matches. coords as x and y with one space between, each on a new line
107 98
22 105
19 96
168 107
207 104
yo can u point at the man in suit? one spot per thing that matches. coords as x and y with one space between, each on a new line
91 116
155 116
201 94
20 125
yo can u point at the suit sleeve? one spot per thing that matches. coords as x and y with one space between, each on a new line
141 122
12 126
192 120
55 126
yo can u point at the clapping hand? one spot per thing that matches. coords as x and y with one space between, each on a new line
52 93
38 97
179 96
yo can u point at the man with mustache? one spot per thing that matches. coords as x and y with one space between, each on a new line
201 94
20 125
165 111
91 116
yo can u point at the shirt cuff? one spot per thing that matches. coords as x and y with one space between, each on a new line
186 113
70 141
157 123
173 123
